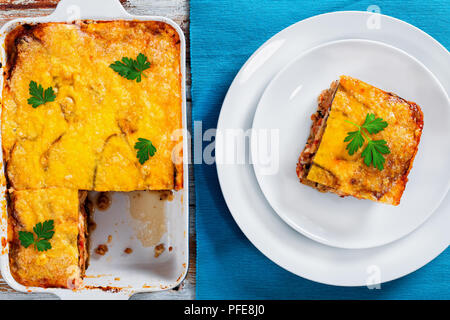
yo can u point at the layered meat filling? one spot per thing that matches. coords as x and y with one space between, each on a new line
319 123
83 231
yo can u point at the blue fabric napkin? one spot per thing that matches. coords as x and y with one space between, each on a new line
224 33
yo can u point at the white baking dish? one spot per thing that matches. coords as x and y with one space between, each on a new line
117 275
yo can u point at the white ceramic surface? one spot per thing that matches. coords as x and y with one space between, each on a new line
139 271
254 215
286 106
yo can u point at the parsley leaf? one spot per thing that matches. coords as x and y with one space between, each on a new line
145 150
26 238
131 69
39 96
43 245
44 232
356 141
373 124
373 152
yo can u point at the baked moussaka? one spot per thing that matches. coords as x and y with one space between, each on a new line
85 106
362 142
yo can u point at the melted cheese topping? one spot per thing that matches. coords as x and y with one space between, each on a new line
58 266
348 175
63 143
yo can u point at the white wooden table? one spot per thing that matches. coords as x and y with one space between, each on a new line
177 10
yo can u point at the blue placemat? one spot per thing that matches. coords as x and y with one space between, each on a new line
224 33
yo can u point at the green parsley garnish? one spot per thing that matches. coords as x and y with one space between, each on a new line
44 232
145 150
374 150
131 69
39 96
373 153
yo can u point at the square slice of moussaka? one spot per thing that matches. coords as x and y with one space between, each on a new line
57 259
328 164
85 137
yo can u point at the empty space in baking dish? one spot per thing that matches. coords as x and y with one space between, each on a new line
118 228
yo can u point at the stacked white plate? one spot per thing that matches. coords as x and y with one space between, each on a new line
322 237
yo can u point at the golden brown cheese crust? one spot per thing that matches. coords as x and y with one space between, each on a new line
333 168
85 138
59 266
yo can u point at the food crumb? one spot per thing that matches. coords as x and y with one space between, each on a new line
117 279
128 250
170 248
166 195
159 249
103 201
101 249
178 287
109 238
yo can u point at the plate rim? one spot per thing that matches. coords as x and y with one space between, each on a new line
272 82
415 265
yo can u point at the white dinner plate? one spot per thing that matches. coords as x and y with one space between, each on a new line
251 211
285 109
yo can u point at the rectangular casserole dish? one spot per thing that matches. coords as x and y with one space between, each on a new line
117 275
328 164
